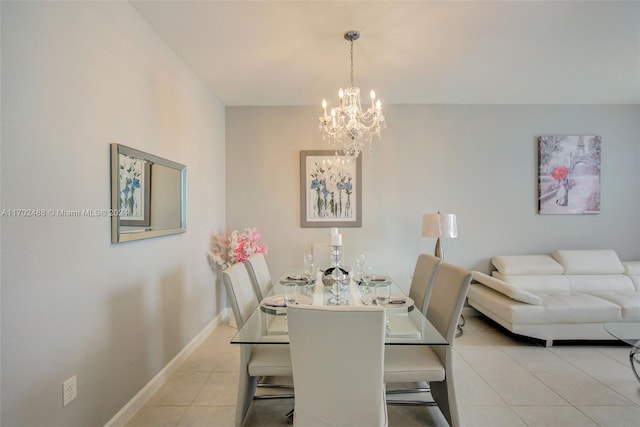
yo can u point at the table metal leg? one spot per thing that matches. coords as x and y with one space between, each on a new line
461 323
634 359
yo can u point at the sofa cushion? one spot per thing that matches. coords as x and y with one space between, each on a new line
512 292
603 261
544 282
526 264
629 302
631 268
486 300
566 308
591 283
560 308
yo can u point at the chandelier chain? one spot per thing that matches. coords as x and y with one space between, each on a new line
352 85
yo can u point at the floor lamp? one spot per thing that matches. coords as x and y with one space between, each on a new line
441 226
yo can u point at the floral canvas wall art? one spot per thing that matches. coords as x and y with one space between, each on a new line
330 194
134 178
569 175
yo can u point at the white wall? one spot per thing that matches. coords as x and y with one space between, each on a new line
77 76
477 161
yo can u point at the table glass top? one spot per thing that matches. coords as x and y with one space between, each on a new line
626 329
267 324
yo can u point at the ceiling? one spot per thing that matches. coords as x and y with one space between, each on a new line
415 52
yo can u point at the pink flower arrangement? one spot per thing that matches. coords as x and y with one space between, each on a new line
230 248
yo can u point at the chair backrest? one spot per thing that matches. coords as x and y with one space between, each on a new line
447 298
260 276
337 356
240 292
321 255
424 276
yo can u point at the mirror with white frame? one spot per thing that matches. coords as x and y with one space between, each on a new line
148 193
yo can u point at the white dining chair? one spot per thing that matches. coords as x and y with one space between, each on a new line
434 364
422 281
337 353
424 275
262 360
259 273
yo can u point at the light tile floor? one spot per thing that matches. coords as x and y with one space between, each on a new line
500 381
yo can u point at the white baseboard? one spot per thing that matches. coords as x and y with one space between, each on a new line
129 410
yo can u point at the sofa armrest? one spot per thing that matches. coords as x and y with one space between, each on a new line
506 288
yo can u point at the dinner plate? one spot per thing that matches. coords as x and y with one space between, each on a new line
408 302
277 301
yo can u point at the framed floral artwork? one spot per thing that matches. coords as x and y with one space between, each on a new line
330 189
569 174
135 191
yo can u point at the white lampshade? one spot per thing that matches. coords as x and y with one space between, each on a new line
439 225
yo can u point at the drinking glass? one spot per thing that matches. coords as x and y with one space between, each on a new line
308 258
309 270
359 266
383 293
290 293
367 276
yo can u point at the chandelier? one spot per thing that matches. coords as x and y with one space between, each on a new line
348 127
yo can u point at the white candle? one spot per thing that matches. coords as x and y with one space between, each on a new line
336 240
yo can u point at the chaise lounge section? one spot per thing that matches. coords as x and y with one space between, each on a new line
567 295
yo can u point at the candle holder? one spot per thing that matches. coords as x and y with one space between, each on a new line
336 256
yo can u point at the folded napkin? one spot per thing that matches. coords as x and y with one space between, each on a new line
379 279
397 300
275 302
297 277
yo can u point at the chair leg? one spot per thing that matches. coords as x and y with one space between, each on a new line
246 392
410 403
444 395
263 382
419 387
409 390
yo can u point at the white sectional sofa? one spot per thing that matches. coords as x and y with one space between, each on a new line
567 295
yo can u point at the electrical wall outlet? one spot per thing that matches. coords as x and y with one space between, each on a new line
69 390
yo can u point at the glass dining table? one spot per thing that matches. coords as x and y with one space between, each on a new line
406 325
